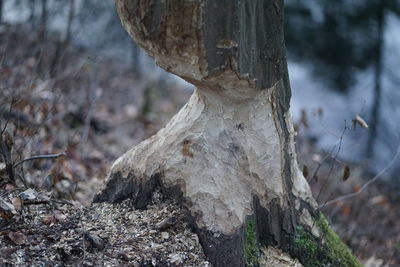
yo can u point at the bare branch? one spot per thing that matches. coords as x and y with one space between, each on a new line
376 177
52 156
11 106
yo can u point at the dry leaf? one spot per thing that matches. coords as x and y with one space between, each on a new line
17 203
378 200
9 187
59 216
360 121
17 238
49 219
6 206
305 171
4 216
346 173
28 194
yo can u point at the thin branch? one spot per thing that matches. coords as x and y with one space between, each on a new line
52 156
8 119
333 163
376 177
47 202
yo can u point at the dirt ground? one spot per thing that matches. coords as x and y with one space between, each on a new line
93 110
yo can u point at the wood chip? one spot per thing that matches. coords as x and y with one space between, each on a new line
166 223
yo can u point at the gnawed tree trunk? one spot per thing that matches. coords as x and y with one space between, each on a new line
228 155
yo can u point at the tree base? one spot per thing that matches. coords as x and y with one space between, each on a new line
221 158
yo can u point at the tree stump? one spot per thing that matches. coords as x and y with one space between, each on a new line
228 155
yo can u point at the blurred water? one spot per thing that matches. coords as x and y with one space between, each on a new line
310 94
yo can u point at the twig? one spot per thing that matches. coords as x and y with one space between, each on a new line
47 202
333 163
5 125
52 156
376 177
93 94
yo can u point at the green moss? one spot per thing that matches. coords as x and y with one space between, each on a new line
306 247
336 249
312 252
251 249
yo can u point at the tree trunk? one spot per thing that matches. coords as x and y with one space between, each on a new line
32 5
1 11
378 67
228 155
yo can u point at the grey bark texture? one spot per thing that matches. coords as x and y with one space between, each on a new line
228 155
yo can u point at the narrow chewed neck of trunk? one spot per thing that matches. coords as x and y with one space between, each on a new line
228 155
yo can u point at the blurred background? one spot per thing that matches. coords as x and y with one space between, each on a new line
72 80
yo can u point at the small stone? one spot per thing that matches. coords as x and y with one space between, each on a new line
176 258
164 235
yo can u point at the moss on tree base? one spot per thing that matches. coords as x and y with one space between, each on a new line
310 251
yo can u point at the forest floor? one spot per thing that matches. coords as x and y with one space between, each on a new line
93 110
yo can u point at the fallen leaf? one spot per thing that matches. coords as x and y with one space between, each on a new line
17 203
378 200
9 187
4 216
17 238
28 194
49 219
6 206
59 216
